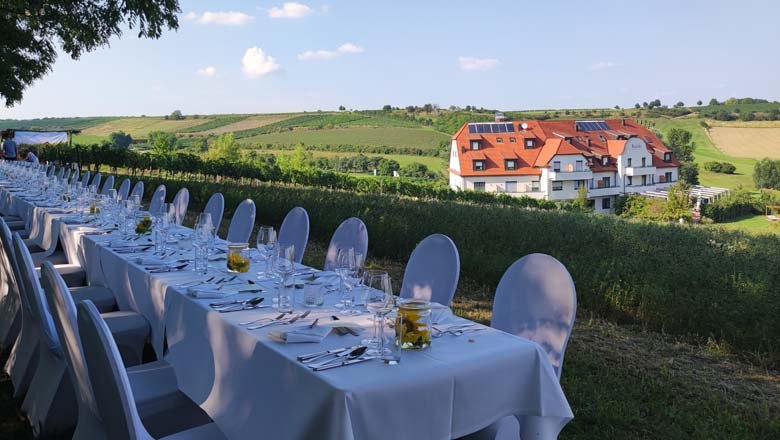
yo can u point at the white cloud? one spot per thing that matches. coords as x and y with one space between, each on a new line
344 49
480 64
208 71
222 18
257 63
290 10
603 65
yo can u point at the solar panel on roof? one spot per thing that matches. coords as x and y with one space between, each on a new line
510 128
480 128
592 125
472 128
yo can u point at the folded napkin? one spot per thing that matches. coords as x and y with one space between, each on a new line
209 294
300 333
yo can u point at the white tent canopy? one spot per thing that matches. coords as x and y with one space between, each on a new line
40 137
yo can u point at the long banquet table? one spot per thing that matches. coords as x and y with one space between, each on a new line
253 387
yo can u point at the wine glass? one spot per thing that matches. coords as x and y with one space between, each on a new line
345 267
380 301
355 284
266 238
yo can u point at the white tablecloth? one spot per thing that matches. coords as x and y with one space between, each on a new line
253 387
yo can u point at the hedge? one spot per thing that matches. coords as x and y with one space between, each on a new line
699 281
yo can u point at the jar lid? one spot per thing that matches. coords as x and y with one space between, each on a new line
414 304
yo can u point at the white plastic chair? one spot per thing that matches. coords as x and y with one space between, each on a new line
61 173
353 233
242 222
10 318
433 270
111 384
158 198
67 175
138 189
107 185
96 181
50 170
216 207
85 179
180 203
295 231
124 189
154 384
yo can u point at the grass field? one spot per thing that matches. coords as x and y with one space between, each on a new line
422 138
757 224
138 128
707 151
747 142
433 163
249 123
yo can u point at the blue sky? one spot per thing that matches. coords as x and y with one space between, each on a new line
272 56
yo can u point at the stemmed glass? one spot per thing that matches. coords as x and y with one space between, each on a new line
380 301
346 268
266 238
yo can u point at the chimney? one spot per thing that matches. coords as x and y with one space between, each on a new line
623 121
588 141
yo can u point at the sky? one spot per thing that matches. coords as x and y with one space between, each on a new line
275 56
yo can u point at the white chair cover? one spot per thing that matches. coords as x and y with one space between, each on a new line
353 233
96 181
216 207
242 222
10 317
111 385
124 189
180 203
433 270
158 198
536 300
108 185
295 231
61 173
85 179
50 170
49 401
138 189
67 175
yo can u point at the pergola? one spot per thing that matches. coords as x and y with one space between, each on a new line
706 194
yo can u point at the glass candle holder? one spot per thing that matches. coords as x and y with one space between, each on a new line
143 224
413 324
238 258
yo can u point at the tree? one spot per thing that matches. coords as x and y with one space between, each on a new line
162 143
766 174
773 115
678 202
387 166
679 141
342 108
637 106
387 108
414 169
689 173
617 107
300 159
176 115
225 147
580 204
699 102
679 104
714 101
31 36
120 139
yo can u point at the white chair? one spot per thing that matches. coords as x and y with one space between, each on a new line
75 176
180 203
295 231
353 233
67 174
433 270
50 170
157 200
107 185
138 189
216 207
153 384
242 222
61 173
10 318
124 189
111 385
85 179
96 181
535 300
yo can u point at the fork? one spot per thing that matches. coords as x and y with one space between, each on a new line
280 321
264 318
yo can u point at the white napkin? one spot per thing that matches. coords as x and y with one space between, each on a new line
300 333
209 294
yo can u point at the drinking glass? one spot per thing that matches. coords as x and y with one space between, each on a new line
200 246
345 267
266 237
380 301
284 264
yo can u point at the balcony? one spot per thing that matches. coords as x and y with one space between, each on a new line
601 191
639 171
582 174
640 188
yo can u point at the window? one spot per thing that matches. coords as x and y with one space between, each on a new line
557 166
644 180
606 203
644 162
510 164
580 183
606 181
630 180
557 185
603 139
628 162
479 186
579 166
499 140
511 187
668 176
535 186
529 144
475 145
479 165
512 140
667 157
605 160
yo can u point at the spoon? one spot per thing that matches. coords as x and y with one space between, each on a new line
340 357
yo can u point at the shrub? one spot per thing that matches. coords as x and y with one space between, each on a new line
720 167
766 174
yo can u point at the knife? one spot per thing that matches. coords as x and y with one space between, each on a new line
341 364
306 358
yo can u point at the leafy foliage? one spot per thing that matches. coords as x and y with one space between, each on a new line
720 167
120 139
766 174
33 31
162 143
225 147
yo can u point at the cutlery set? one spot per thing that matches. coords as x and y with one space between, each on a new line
456 329
337 357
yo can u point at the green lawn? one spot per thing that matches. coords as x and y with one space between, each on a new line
706 151
757 224
433 163
422 138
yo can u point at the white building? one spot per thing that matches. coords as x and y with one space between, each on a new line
552 159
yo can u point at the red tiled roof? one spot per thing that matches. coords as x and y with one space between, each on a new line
548 141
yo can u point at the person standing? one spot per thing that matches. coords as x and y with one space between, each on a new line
10 149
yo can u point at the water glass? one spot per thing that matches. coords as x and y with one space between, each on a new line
266 238
380 301
200 251
286 293
313 296
345 265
